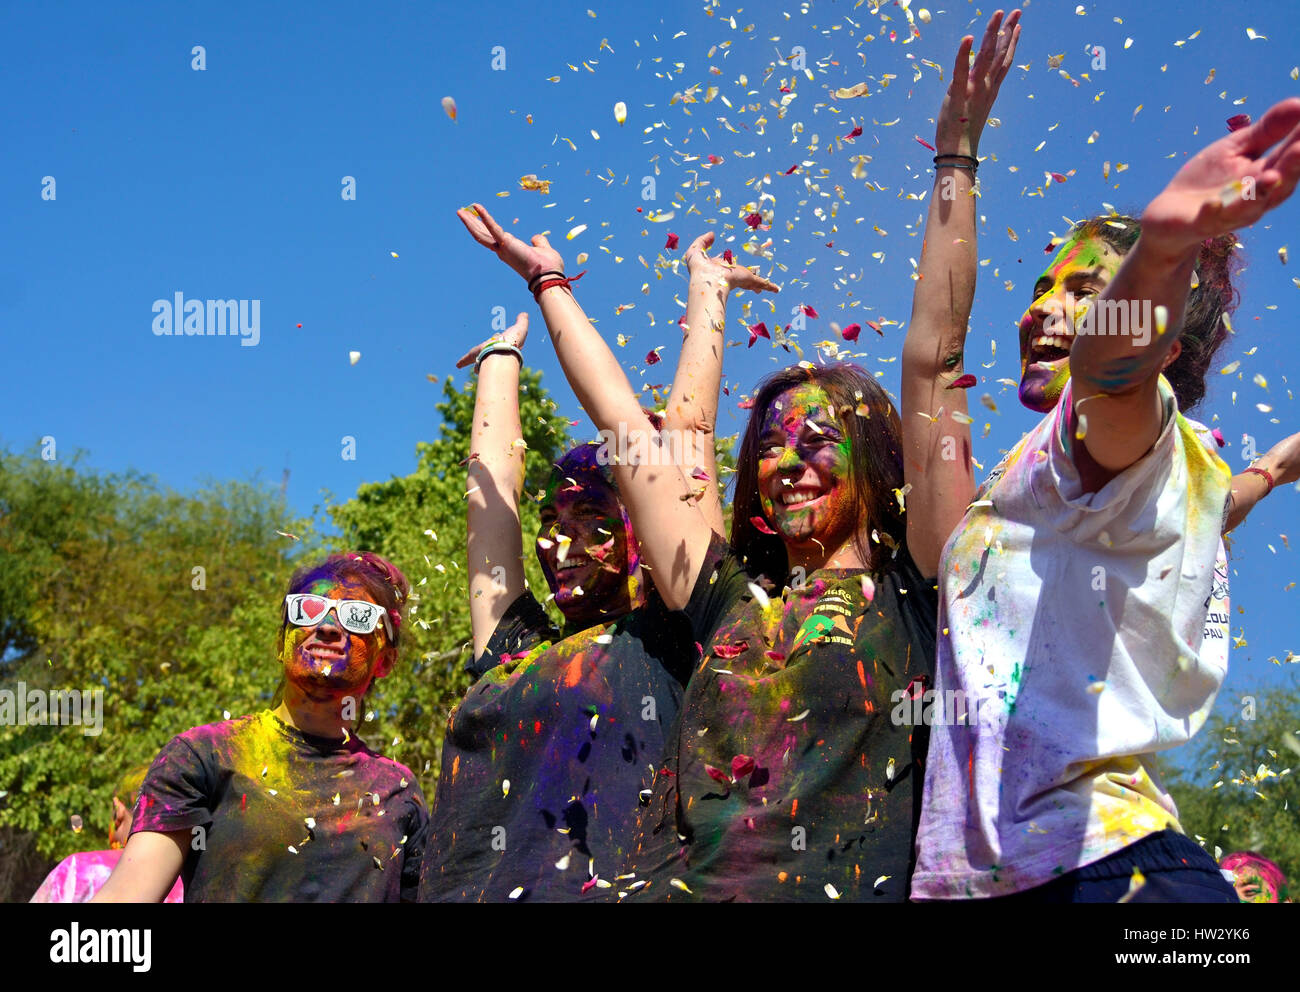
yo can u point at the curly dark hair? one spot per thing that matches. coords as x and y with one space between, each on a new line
1204 331
380 577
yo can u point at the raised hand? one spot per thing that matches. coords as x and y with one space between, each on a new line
516 334
529 260
1230 184
974 88
722 273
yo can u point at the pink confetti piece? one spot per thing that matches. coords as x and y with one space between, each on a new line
672 242
922 141
741 765
851 332
809 311
757 331
964 382
761 526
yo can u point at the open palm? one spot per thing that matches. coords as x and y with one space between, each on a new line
974 88
529 260
1230 184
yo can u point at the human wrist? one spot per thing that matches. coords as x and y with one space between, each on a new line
498 348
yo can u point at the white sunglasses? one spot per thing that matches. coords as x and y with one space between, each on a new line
354 615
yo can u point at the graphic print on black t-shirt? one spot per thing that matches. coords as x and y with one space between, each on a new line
546 757
284 816
788 778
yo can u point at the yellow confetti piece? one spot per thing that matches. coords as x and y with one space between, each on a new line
677 883
620 112
831 891
576 231
505 787
393 253
1230 368
1254 35
531 182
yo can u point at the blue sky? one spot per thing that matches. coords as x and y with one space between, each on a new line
225 183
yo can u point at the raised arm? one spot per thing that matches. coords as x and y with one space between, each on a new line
936 427
673 534
494 543
1279 466
693 404
1230 184
148 868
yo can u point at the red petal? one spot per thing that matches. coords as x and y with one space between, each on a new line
589 883
1058 178
717 775
672 242
726 256
757 331
761 525
730 650
964 382
851 332
715 160
809 311
1218 437
791 169
774 655
855 133
922 141
1237 121
753 220
652 358
746 404
741 765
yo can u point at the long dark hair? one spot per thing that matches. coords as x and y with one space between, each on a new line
876 442
1204 332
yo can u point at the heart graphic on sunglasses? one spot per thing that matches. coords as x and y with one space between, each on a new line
312 607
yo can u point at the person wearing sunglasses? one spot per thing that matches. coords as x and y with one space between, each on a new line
288 804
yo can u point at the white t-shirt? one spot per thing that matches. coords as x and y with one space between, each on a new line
1084 632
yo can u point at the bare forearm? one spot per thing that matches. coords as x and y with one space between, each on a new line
945 291
494 541
1150 278
693 403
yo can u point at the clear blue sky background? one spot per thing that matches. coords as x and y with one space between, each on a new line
225 183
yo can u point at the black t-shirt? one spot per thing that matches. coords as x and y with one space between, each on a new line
284 816
790 777
545 759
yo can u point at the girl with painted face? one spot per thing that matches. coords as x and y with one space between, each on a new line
288 804
548 759
1084 590
788 776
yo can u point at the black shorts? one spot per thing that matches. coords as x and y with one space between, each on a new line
1176 870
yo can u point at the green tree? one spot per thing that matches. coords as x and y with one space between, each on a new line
1238 792
163 601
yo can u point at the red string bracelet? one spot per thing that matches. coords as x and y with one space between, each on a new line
548 283
1265 473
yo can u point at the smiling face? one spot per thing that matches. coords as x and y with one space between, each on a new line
1082 269
592 583
326 661
805 482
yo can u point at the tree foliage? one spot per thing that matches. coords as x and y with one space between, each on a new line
162 601
1241 792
